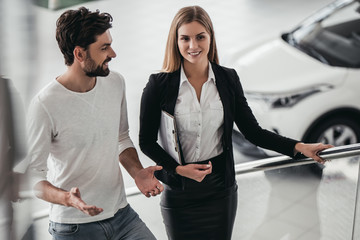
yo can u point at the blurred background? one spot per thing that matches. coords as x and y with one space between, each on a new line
30 58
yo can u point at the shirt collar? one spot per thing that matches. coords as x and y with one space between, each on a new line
183 78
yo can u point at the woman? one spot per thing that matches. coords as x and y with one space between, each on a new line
200 196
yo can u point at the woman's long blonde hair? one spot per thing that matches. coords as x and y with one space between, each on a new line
173 58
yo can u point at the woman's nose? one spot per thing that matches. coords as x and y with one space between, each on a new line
193 43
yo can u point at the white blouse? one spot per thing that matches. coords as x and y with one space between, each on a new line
200 124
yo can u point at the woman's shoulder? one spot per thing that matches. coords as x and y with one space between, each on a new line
163 78
223 69
225 73
163 75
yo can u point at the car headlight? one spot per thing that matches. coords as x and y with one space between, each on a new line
281 100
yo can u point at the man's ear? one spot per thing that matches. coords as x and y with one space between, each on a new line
79 54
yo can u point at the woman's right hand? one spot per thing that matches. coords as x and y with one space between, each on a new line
194 171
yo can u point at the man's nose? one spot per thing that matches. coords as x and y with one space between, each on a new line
112 53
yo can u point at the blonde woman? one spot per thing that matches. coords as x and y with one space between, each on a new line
200 196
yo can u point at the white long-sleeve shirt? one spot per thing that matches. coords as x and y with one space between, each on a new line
200 123
75 140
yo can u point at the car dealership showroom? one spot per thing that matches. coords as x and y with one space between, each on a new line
299 65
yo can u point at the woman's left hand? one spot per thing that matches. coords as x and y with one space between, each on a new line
312 150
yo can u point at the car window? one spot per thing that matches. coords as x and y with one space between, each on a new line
333 37
346 14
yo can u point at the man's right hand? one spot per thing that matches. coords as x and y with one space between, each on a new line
48 192
73 199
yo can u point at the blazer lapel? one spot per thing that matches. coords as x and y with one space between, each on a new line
222 88
172 91
226 97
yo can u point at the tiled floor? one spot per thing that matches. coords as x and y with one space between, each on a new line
277 206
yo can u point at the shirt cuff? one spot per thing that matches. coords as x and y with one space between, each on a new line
125 144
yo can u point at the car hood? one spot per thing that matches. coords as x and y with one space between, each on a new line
277 67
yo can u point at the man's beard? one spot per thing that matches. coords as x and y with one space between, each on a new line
93 70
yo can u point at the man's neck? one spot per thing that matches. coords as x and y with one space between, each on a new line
76 80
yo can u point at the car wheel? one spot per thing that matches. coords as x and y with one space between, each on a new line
337 131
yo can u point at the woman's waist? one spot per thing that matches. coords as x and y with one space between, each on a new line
214 180
195 193
218 162
198 154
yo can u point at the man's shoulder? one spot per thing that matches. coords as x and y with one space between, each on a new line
49 91
46 99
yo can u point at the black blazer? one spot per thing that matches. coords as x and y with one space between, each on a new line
161 93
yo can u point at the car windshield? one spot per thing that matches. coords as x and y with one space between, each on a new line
331 35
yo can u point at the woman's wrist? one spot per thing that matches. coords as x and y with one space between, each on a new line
178 170
298 147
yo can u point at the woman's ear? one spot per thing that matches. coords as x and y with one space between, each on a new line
79 54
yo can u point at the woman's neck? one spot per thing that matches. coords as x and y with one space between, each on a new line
196 71
197 75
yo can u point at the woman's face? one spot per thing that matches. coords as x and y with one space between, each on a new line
193 42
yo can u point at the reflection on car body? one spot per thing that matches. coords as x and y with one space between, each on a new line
306 83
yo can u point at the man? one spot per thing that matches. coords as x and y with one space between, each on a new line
80 122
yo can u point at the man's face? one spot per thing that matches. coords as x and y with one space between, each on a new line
98 56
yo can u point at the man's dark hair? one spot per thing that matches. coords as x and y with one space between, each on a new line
80 28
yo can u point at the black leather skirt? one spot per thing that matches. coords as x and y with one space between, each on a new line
204 210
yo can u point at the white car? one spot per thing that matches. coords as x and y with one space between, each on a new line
306 83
